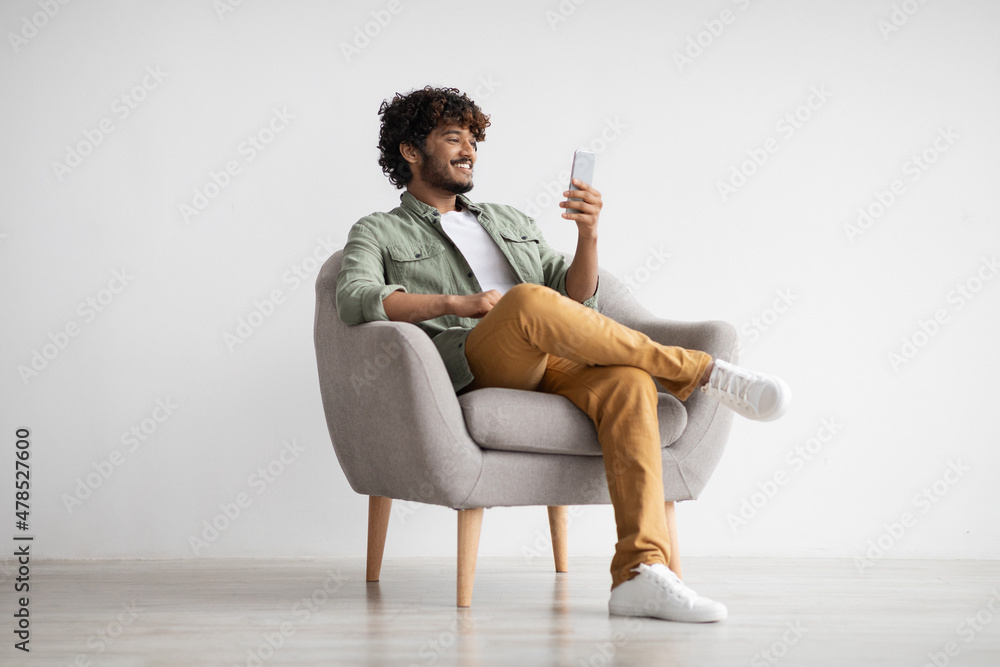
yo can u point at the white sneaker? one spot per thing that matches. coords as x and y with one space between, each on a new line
656 592
752 395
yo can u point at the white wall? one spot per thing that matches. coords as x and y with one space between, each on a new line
607 76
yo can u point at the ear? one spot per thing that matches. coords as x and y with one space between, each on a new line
409 152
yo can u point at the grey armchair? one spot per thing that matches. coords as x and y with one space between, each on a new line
400 431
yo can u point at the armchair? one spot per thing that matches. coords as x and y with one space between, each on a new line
400 431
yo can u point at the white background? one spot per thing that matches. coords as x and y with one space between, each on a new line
669 129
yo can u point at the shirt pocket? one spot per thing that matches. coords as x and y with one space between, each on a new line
522 246
420 267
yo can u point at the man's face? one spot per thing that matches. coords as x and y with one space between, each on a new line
447 159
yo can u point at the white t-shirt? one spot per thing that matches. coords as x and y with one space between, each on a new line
483 254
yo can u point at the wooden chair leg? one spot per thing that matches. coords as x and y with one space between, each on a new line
378 525
675 550
558 520
469 524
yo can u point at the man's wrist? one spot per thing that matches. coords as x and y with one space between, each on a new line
448 304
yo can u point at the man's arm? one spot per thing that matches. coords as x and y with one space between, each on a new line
581 278
363 296
360 284
406 307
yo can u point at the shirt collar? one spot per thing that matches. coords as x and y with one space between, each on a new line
428 212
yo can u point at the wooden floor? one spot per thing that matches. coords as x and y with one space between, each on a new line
243 612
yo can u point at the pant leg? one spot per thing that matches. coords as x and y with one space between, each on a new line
524 342
511 344
621 401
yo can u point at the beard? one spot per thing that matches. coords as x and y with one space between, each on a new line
436 174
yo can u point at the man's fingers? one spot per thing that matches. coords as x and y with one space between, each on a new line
579 194
579 208
487 300
583 188
591 198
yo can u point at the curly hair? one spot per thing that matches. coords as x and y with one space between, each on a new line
410 118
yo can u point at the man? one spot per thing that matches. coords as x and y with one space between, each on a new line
505 310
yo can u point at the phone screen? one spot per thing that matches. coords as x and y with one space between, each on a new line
583 169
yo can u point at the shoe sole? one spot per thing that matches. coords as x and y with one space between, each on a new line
616 610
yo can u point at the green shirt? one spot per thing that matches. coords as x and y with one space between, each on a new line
406 249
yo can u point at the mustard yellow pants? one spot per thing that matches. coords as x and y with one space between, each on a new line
536 339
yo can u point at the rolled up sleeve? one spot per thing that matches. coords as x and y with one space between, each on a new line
361 285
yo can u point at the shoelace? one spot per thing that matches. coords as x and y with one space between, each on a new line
674 587
734 384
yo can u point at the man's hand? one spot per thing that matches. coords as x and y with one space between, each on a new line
475 305
581 278
590 208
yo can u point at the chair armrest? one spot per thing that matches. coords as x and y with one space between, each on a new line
393 416
716 337
700 447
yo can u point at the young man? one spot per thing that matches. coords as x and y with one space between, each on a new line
505 310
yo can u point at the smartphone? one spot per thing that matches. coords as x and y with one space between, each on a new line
583 169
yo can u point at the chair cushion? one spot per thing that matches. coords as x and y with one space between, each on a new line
530 421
